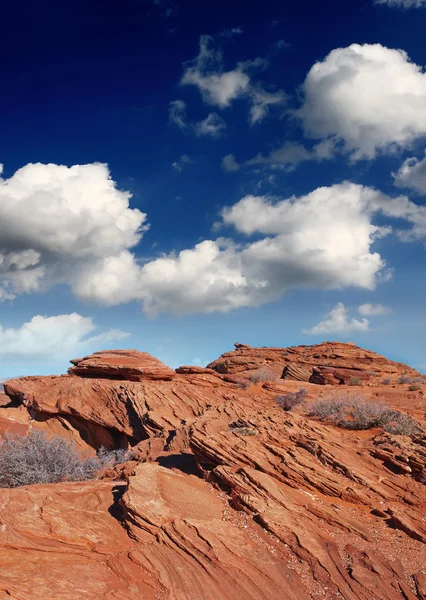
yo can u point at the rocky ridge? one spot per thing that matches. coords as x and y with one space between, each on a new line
230 497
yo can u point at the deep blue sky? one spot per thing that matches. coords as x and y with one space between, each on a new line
92 82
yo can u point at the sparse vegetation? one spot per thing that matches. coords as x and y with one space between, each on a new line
412 380
403 425
354 381
414 387
25 460
292 399
261 375
243 384
386 381
352 411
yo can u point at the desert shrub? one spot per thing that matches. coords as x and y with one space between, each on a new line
261 374
328 409
34 458
354 412
414 387
242 427
386 381
365 415
292 399
243 384
403 425
354 381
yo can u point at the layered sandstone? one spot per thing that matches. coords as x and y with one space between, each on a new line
128 365
331 363
231 498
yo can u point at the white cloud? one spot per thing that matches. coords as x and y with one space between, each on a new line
213 126
338 321
83 231
367 98
412 175
60 335
402 3
220 88
177 114
373 310
57 221
179 164
229 163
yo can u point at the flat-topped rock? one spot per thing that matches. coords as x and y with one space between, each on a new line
128 365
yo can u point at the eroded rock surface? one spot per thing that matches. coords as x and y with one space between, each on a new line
231 498
332 363
130 365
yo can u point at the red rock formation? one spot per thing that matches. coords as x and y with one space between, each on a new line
232 498
130 365
327 363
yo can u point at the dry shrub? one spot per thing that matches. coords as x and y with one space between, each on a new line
292 399
414 387
352 411
243 384
354 381
25 460
386 381
261 375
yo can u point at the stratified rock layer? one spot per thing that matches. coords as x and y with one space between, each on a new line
231 498
332 363
130 365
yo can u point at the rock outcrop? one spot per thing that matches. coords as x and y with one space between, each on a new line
231 498
128 365
332 363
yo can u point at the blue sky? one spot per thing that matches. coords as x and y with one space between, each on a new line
179 176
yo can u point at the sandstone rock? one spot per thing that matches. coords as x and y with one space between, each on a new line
129 365
336 362
194 370
296 372
232 498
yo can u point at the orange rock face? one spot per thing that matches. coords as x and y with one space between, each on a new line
232 497
130 365
331 363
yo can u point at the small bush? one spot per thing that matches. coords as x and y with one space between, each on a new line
25 460
243 384
403 425
328 409
354 412
386 381
261 375
354 381
405 379
292 399
414 387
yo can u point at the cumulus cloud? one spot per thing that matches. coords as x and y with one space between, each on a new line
402 3
213 125
83 232
373 310
338 321
365 99
229 163
57 221
60 335
412 175
221 88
